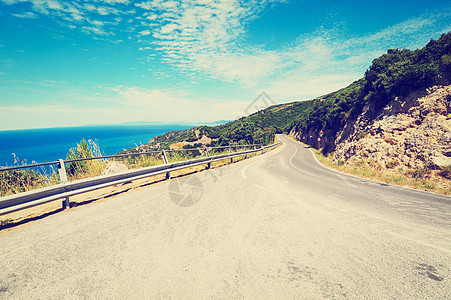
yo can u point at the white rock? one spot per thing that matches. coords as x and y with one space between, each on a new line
114 167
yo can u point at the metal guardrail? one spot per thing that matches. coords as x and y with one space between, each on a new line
121 155
66 189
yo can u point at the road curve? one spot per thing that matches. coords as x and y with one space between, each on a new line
274 226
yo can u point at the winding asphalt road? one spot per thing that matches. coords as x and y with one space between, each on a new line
274 226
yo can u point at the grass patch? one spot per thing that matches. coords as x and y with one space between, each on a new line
429 185
400 179
391 164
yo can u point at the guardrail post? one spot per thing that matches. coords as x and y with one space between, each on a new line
230 151
63 179
62 170
208 155
165 159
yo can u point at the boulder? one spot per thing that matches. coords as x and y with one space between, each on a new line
114 167
441 161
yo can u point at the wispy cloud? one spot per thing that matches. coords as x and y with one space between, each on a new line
145 32
87 17
207 38
25 15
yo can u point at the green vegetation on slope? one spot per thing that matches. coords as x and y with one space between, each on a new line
400 72
258 128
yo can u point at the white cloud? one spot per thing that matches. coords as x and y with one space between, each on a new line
70 12
95 30
77 17
168 28
151 17
145 5
205 37
90 7
97 23
144 32
116 1
10 2
52 4
26 15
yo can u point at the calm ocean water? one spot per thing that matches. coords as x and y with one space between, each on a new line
50 144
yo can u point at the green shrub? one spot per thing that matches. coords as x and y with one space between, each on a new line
191 153
86 168
420 173
18 181
391 164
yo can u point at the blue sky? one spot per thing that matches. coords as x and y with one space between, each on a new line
68 63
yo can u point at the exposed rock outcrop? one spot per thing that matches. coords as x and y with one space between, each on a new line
203 140
411 132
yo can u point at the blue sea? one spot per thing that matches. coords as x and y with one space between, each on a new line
51 144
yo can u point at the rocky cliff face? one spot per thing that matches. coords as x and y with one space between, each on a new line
410 133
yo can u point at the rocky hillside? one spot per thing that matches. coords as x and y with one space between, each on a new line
412 132
396 118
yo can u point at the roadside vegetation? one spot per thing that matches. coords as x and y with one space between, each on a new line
18 181
86 168
22 180
429 178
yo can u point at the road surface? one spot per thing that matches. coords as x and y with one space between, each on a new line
276 226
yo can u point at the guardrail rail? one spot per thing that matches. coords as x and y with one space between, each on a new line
66 188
